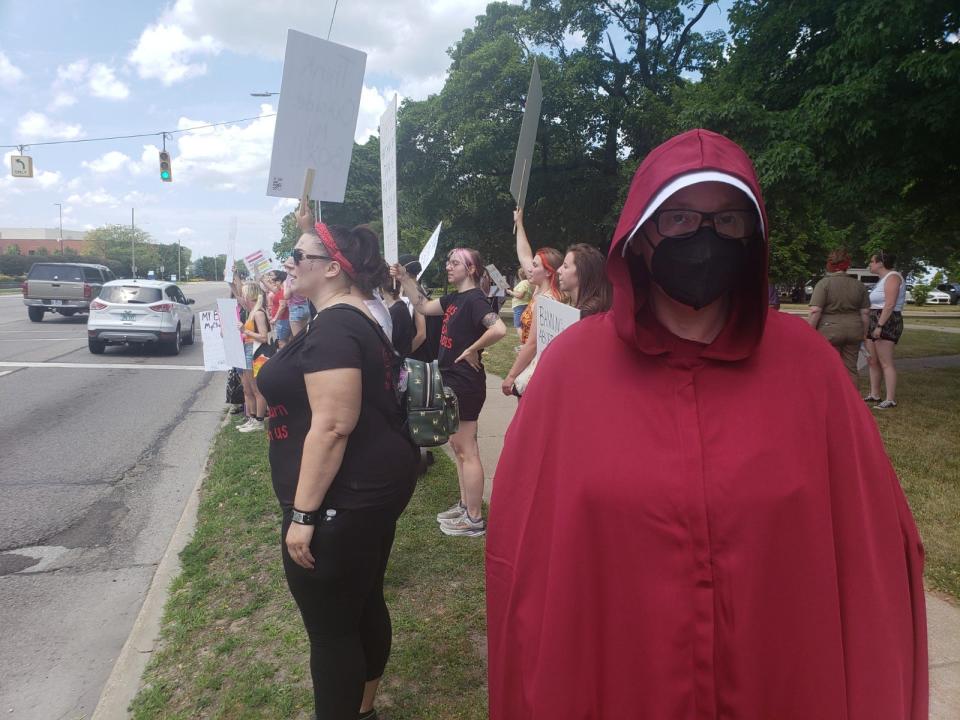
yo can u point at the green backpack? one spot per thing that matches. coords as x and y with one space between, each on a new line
431 409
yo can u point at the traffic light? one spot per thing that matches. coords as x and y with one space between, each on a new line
166 171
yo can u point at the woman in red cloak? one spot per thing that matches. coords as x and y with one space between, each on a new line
669 539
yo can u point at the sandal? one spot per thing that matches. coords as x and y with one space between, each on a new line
885 405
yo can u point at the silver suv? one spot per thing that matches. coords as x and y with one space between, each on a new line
65 288
139 312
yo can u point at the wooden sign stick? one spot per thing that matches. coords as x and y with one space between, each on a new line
307 187
520 193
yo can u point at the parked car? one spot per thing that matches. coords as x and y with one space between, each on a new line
938 297
64 288
952 289
140 311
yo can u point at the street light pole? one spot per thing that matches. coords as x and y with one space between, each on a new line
133 256
179 279
60 211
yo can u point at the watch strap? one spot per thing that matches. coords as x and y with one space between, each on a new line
304 518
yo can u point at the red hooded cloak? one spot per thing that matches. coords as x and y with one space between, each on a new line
680 531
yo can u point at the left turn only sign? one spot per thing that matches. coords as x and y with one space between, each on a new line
21 166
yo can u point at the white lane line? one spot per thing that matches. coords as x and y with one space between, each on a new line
6 372
99 366
63 339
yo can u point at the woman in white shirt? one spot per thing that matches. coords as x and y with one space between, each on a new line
886 327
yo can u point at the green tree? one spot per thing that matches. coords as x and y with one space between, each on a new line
122 244
13 249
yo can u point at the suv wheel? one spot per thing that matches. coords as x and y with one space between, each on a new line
188 340
173 347
35 313
96 346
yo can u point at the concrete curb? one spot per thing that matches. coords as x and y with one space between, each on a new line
124 681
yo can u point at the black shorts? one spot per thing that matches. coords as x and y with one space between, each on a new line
470 398
891 330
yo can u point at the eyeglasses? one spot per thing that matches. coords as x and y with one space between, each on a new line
454 263
299 256
730 224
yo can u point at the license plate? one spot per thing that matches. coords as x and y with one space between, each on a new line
56 302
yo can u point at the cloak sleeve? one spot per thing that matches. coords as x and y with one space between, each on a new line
879 558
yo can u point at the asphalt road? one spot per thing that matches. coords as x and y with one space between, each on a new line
98 455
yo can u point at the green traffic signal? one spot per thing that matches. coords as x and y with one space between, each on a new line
165 169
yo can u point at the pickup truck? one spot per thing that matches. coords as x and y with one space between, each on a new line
65 288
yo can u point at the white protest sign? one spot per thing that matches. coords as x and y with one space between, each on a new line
498 279
316 117
214 358
231 251
429 250
232 343
552 319
520 179
388 180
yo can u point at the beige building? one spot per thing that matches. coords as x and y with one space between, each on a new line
31 240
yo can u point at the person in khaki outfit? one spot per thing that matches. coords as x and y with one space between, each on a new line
840 310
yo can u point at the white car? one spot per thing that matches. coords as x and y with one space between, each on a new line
140 311
938 297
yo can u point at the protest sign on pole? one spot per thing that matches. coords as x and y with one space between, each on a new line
528 138
388 180
552 319
232 343
214 356
429 250
498 279
316 117
231 251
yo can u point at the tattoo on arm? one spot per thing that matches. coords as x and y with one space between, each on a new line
489 320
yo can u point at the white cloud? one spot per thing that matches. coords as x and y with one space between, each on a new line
164 52
99 197
37 126
47 179
108 163
62 100
103 83
184 232
135 197
406 41
373 103
10 74
74 72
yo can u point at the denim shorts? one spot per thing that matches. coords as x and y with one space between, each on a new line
517 312
299 313
281 329
248 351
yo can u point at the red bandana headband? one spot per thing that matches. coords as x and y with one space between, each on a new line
326 237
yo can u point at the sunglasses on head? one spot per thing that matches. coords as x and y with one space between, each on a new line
299 255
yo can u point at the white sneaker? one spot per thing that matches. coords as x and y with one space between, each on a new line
252 426
465 526
453 512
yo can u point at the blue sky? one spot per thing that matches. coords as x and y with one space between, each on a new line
74 69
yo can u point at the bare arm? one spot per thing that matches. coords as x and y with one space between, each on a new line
527 352
814 317
524 251
495 331
421 335
261 334
334 397
865 317
421 303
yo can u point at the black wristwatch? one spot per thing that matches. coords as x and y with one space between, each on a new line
304 518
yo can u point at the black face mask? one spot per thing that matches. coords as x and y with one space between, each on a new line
699 269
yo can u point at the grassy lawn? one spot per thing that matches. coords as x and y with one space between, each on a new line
233 645
921 437
942 322
908 310
922 343
499 358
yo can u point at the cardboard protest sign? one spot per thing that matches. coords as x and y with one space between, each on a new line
528 138
316 117
498 279
429 250
214 357
232 342
388 180
552 319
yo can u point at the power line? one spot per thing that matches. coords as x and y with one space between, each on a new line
161 133
330 29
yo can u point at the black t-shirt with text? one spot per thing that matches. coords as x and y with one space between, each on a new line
379 464
463 315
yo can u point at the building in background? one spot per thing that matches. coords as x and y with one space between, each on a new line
32 241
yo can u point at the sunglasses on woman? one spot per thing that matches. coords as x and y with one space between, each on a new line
299 256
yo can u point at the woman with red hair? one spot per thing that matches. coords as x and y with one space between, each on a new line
840 310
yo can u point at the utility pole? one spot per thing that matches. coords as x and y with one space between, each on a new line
133 256
60 211
179 279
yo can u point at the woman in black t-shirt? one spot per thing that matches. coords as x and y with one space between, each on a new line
343 468
469 326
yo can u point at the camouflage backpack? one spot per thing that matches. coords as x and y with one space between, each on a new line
432 412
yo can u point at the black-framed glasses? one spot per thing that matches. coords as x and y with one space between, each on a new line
299 256
730 224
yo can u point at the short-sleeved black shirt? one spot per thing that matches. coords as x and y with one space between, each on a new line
403 329
463 315
379 464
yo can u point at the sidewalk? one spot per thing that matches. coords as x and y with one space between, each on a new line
943 617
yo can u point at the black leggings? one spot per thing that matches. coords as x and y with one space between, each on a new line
341 601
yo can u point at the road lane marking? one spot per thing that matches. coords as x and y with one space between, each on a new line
100 366
7 372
